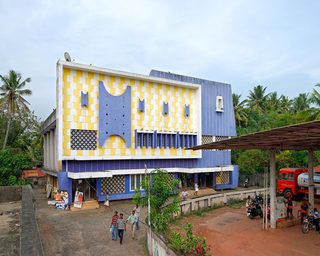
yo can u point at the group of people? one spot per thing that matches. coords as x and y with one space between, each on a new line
119 225
304 211
184 193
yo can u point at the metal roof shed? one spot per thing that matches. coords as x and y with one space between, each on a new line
305 136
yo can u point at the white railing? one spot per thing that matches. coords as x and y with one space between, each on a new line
205 202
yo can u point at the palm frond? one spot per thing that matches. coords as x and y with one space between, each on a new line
25 92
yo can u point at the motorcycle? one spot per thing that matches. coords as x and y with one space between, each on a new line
245 183
255 208
309 223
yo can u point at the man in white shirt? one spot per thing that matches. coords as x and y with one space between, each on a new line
132 220
137 213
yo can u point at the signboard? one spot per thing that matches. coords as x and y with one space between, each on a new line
78 199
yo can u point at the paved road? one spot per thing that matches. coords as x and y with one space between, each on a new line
85 232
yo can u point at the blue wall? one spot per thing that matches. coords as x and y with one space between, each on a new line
209 159
213 123
65 184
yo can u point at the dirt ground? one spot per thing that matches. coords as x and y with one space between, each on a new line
10 228
85 232
230 232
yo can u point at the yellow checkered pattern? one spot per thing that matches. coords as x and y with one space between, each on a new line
77 117
222 178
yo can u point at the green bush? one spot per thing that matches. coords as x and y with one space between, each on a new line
189 244
11 166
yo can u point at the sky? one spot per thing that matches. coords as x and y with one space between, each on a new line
243 43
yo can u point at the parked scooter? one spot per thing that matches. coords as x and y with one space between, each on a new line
255 208
310 222
245 183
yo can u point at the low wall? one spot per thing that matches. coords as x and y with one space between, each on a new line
156 245
10 193
30 242
196 204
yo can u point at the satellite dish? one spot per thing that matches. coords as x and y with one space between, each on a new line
67 56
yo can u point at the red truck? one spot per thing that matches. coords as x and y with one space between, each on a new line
294 182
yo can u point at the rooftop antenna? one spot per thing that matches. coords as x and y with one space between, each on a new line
67 57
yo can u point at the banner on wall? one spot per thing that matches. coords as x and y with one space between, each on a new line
78 199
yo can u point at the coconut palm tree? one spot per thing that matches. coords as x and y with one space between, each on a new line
314 112
285 103
257 98
12 101
301 103
273 102
240 114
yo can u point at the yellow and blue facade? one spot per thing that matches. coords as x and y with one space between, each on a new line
110 126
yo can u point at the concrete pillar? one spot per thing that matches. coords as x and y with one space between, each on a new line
272 188
196 180
310 179
54 167
44 151
50 150
47 150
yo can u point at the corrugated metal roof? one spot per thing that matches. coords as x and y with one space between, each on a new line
294 137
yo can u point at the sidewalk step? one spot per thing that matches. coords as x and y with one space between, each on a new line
86 205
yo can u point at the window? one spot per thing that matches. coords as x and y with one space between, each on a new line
135 181
219 104
284 176
290 176
84 99
141 105
186 110
165 110
138 140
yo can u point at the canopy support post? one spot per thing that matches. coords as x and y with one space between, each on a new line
272 188
310 178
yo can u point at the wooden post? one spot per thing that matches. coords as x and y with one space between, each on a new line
310 178
272 188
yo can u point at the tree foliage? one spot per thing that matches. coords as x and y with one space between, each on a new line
20 135
263 110
164 199
11 165
12 101
189 244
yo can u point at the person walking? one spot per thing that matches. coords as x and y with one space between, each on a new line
132 220
114 226
137 213
121 227
184 195
196 189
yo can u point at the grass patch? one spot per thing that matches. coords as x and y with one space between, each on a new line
236 203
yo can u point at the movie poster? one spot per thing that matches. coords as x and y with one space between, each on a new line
78 199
